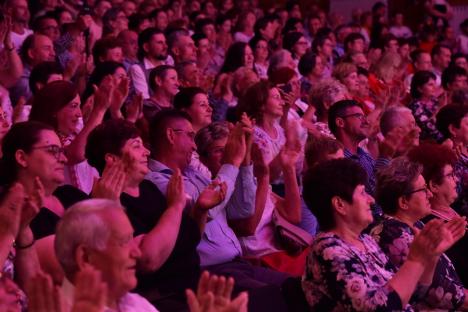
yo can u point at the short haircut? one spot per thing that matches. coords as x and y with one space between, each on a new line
437 49
307 63
159 72
319 41
261 24
160 123
290 39
184 98
108 138
206 136
451 114
394 181
174 36
433 166
391 117
326 92
82 224
276 59
42 72
420 78
416 54
351 38
317 149
145 37
102 46
450 74
343 70
339 109
337 177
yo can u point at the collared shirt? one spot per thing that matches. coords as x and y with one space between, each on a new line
139 73
127 303
21 88
219 243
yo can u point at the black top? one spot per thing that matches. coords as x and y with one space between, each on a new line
46 221
182 269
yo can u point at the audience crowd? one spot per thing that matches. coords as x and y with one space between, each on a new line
219 155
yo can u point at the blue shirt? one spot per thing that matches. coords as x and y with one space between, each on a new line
219 243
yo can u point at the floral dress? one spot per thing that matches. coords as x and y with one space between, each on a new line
341 277
446 291
424 114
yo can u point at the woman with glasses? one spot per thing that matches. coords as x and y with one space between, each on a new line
405 198
33 156
438 170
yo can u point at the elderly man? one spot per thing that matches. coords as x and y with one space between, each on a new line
97 233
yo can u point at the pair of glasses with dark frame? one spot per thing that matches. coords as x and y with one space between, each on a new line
54 150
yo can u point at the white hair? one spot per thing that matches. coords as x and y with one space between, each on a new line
391 118
82 224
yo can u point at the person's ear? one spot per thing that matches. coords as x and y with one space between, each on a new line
452 130
170 135
403 203
339 205
82 257
145 47
21 158
340 123
110 159
433 187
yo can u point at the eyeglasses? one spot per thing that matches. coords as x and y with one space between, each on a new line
53 150
190 134
425 189
360 116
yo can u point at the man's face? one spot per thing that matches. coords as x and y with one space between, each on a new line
20 11
42 50
204 47
184 141
460 82
130 44
355 124
424 62
49 27
191 75
410 130
357 46
360 60
114 54
117 262
186 50
442 60
157 47
269 32
392 46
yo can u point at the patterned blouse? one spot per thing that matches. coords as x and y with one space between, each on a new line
341 277
446 291
424 114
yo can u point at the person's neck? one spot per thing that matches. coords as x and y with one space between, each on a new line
313 78
169 160
349 143
437 68
30 187
162 98
132 187
408 219
347 232
268 124
154 61
18 27
440 204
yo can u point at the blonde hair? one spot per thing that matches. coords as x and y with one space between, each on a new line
343 70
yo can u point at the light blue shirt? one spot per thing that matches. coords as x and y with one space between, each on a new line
219 243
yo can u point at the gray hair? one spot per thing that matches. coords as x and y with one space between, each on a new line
206 136
391 118
277 59
82 224
175 36
325 93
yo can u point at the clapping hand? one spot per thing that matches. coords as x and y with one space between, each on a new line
175 191
135 108
90 291
10 210
32 204
43 296
112 181
214 295
212 195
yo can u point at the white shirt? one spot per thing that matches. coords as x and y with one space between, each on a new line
127 303
18 39
138 76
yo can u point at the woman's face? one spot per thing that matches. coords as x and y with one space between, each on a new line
46 159
351 82
161 21
200 111
446 191
248 57
4 124
318 68
139 155
261 51
274 105
226 27
300 48
461 133
417 201
359 210
428 89
68 118
120 74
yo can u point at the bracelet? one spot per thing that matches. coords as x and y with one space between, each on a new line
17 246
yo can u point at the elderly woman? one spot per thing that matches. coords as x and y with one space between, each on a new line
438 170
404 196
346 270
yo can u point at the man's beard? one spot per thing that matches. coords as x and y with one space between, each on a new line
161 57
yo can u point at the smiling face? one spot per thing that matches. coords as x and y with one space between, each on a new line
274 105
117 262
139 154
200 111
417 203
45 160
69 116
4 124
359 212
354 123
446 191
170 82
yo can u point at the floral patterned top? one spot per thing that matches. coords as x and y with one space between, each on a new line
341 277
446 291
425 118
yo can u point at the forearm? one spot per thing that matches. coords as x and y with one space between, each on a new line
6 241
75 152
26 260
404 282
291 210
200 216
428 274
157 245
15 70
